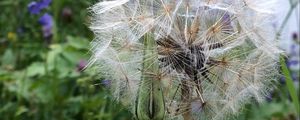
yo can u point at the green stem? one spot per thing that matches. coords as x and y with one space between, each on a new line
56 11
150 102
55 32
284 68
290 84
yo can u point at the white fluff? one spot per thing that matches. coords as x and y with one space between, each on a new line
245 65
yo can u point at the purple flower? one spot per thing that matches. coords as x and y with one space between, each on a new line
36 7
292 63
47 24
81 65
46 20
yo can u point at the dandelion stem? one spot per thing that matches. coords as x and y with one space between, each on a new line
150 101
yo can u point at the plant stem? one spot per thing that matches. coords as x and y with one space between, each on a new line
290 84
293 6
150 101
284 68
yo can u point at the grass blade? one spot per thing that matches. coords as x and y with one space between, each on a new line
290 84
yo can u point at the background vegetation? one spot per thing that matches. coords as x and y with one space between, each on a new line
42 62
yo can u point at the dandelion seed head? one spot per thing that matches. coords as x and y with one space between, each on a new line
214 55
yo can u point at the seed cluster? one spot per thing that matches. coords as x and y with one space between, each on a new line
213 56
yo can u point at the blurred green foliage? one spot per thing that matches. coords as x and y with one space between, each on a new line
40 80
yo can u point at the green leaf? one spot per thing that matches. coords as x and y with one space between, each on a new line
56 50
37 68
64 68
8 59
78 42
73 56
290 84
21 109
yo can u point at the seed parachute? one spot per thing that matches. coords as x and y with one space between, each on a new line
186 59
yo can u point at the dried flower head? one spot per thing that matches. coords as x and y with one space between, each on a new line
209 57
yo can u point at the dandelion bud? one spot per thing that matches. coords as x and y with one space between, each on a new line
67 14
185 59
295 37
